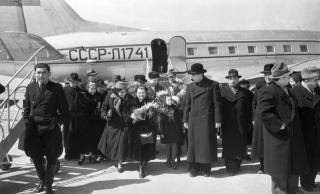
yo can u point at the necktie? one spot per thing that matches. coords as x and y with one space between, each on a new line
42 87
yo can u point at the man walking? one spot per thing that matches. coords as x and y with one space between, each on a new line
44 109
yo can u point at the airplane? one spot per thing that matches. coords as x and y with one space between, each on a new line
73 44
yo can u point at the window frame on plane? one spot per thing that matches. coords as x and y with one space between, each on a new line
273 49
236 51
255 48
306 46
287 46
193 49
213 48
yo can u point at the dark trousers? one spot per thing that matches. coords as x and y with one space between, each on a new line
199 167
232 164
308 180
284 186
261 164
172 152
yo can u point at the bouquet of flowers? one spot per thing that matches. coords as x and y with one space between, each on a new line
139 114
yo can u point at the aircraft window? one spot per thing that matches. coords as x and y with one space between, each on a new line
4 53
270 49
252 49
287 48
191 51
213 50
233 50
303 48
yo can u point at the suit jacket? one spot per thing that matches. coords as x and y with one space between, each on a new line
201 112
284 150
49 104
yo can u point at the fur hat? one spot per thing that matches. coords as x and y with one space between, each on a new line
310 73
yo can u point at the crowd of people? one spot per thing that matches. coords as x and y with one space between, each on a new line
120 121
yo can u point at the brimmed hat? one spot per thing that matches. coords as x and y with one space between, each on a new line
91 72
197 68
279 70
153 75
140 78
233 73
267 68
100 82
244 81
310 73
296 76
117 78
121 85
73 77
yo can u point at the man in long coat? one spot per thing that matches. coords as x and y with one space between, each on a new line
235 108
257 137
304 95
45 108
201 115
284 150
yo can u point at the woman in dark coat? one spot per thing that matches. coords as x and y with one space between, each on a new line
116 109
234 125
142 152
87 116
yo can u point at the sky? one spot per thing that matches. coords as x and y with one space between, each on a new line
176 15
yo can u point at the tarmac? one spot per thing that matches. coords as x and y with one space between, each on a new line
104 178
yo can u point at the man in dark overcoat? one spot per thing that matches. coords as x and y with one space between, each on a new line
304 95
284 151
202 115
153 85
72 92
45 108
235 108
257 136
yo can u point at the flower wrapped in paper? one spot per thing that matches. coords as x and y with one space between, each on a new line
139 114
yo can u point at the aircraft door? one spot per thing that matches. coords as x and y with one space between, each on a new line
159 56
177 53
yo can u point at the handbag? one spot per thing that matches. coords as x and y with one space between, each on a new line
146 138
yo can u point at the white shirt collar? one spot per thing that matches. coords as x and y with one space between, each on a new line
306 87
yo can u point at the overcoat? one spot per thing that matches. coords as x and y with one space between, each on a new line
201 112
235 121
284 150
316 107
114 140
257 136
305 100
50 106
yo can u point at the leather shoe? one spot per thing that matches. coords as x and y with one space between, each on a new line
39 188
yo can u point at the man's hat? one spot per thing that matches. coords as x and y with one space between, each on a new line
310 73
121 85
279 70
244 81
73 77
91 72
267 68
233 73
153 75
197 68
117 78
100 82
140 78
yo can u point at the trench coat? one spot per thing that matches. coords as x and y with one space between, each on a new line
284 150
305 100
114 141
201 112
257 136
235 121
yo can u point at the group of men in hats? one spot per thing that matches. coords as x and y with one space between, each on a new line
286 121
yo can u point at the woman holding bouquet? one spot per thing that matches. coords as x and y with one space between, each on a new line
116 109
143 134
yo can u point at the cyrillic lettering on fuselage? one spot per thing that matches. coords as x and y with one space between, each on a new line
109 53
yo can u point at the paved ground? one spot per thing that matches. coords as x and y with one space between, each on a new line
104 178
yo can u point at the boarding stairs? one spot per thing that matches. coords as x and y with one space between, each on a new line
11 122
